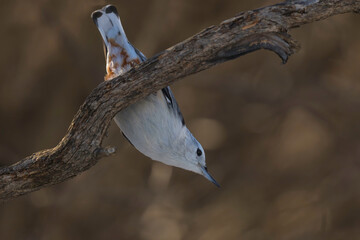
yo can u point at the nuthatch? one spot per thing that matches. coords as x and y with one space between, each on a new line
153 125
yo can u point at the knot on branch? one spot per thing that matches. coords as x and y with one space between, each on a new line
104 152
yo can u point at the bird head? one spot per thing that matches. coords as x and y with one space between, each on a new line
191 155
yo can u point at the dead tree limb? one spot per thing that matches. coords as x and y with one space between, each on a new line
80 149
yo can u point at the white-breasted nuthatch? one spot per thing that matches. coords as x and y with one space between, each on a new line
153 125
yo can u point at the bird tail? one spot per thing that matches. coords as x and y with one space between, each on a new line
120 55
108 22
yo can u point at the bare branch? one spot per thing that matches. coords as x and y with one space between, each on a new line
80 149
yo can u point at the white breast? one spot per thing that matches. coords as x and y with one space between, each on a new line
152 128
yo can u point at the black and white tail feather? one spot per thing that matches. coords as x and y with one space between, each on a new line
154 125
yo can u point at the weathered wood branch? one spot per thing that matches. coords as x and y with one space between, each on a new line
80 149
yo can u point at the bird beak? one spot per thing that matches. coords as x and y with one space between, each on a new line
208 176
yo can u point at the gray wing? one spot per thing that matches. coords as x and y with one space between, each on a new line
171 103
166 91
140 54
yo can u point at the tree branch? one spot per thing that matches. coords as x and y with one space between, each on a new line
80 149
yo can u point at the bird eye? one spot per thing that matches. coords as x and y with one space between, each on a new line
199 152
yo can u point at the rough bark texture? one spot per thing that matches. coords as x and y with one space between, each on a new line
80 149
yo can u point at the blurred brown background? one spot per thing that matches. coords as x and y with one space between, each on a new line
282 140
